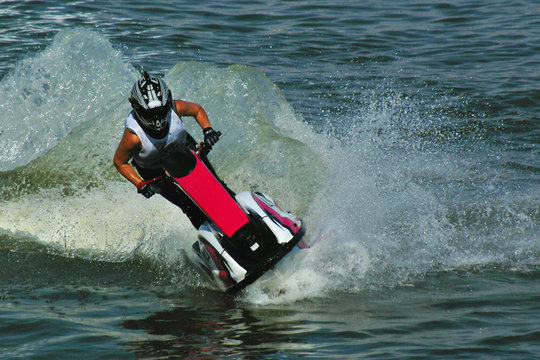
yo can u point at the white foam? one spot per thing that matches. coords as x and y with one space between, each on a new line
111 223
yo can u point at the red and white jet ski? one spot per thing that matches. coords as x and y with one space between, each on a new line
247 233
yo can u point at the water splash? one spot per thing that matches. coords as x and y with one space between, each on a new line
43 98
391 189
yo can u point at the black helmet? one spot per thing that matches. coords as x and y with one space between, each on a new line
151 100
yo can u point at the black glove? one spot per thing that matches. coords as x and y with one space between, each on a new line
210 136
148 187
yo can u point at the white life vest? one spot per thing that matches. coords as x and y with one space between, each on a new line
154 151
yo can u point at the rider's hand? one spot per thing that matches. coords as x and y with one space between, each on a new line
148 187
210 136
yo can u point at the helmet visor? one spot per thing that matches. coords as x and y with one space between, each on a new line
156 117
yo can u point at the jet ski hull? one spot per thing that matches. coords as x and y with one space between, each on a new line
217 260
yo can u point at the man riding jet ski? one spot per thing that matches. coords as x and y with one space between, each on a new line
240 235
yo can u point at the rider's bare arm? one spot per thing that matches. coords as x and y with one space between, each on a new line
192 109
128 146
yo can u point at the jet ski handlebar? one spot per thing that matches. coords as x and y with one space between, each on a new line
203 148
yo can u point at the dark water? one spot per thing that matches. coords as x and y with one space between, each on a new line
406 134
